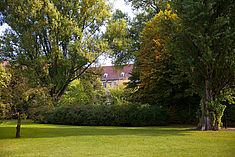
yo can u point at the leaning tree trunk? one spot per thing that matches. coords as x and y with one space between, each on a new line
18 126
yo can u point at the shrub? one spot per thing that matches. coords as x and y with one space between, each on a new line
107 115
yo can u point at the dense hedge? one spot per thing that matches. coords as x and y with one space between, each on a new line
104 115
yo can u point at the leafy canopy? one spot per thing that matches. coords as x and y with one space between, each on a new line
55 41
204 46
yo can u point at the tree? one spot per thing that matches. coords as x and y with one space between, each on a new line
51 43
155 63
18 96
204 46
54 41
161 82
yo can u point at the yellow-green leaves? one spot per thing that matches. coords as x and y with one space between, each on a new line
4 77
116 34
64 35
155 64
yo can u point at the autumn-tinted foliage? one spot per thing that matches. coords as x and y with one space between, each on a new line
161 81
18 96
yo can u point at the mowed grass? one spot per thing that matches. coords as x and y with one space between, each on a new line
84 141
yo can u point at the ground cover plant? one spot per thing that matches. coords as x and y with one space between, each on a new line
61 140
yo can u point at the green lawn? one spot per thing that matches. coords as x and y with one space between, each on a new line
61 140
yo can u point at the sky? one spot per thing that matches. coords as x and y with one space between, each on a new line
117 4
121 5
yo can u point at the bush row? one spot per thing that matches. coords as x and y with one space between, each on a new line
107 115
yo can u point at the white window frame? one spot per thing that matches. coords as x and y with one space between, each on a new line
105 75
122 74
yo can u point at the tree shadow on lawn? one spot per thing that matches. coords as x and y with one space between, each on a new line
65 131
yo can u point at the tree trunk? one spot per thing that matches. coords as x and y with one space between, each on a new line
18 126
203 118
206 120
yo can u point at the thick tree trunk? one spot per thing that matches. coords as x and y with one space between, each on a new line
18 126
206 120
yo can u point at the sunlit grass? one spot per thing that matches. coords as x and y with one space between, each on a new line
62 140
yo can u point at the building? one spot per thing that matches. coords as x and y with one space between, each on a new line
112 77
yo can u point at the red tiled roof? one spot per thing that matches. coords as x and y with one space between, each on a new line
115 74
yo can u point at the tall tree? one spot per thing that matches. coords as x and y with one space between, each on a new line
204 45
161 82
155 63
54 41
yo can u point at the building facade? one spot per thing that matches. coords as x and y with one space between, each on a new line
112 77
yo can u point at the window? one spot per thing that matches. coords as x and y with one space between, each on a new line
104 84
122 74
105 75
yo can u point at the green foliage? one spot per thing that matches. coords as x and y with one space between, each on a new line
117 95
147 5
55 41
18 98
84 91
117 35
74 94
101 108
158 71
160 81
203 43
227 99
107 115
4 81
217 110
145 11
4 77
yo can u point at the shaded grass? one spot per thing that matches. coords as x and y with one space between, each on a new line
62 140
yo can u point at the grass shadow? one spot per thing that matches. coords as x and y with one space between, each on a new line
50 131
